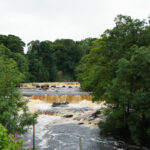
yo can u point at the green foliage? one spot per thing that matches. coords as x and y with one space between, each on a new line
55 61
85 45
46 61
22 62
12 42
14 112
117 70
129 93
9 142
41 59
95 70
68 53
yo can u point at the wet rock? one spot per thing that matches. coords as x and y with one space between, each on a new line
45 87
96 114
37 86
80 123
68 116
59 104
69 86
53 86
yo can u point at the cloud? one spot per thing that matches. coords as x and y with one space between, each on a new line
76 19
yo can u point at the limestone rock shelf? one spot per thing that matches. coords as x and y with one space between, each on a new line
51 84
55 92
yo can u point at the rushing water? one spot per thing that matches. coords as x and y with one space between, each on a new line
59 133
68 128
66 136
58 90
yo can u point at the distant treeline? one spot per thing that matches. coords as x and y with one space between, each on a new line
46 60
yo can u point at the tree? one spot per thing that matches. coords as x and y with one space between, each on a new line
116 70
68 54
42 66
12 42
106 51
20 59
49 60
86 45
95 70
129 93
14 112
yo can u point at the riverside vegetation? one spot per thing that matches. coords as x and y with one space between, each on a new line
117 71
114 68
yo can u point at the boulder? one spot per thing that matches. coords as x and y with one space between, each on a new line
96 114
80 123
37 86
59 104
45 87
53 86
68 116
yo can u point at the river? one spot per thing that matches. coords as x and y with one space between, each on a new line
70 126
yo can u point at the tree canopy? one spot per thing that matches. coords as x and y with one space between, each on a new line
42 65
68 54
11 101
46 60
116 70
12 42
55 61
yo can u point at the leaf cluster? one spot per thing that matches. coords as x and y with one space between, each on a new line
8 142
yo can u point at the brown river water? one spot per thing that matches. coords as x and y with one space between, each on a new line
73 126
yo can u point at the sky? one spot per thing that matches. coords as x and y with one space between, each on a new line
57 19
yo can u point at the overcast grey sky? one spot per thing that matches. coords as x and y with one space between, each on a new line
75 19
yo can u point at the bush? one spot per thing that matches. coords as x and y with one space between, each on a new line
9 142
